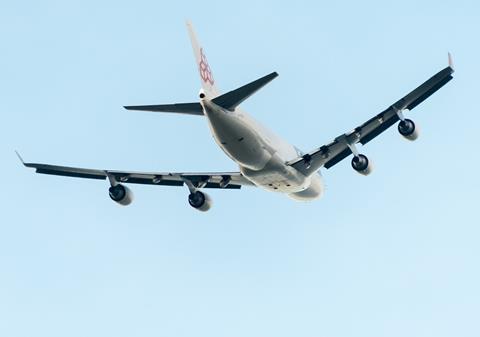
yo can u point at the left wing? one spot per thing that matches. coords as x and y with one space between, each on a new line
228 180
344 145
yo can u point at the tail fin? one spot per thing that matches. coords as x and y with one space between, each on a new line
206 77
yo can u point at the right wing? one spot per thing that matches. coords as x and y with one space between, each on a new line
227 180
340 148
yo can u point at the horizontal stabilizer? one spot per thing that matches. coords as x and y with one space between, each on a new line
233 98
182 108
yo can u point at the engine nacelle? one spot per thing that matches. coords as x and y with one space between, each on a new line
362 164
200 201
121 194
408 129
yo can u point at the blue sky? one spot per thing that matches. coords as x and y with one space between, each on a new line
392 254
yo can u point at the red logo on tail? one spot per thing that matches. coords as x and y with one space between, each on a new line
204 68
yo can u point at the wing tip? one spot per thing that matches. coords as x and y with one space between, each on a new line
20 158
133 107
450 61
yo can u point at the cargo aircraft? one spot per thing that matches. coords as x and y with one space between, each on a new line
264 159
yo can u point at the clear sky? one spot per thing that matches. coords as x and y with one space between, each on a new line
392 254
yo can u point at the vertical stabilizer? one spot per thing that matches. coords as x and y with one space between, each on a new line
206 77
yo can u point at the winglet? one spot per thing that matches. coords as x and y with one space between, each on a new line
450 61
20 157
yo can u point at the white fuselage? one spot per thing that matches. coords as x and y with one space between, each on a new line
260 154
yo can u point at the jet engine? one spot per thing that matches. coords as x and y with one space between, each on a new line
200 201
121 194
362 164
408 129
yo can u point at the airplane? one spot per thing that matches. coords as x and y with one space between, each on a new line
264 159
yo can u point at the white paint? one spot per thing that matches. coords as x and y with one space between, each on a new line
260 154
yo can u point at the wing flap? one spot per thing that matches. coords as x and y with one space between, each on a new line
378 124
338 158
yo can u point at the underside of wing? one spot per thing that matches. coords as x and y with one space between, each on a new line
225 180
344 145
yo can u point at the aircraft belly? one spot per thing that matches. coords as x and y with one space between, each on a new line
314 191
257 157
277 177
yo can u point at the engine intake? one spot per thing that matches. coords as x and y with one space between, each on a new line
408 129
362 165
200 201
121 194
